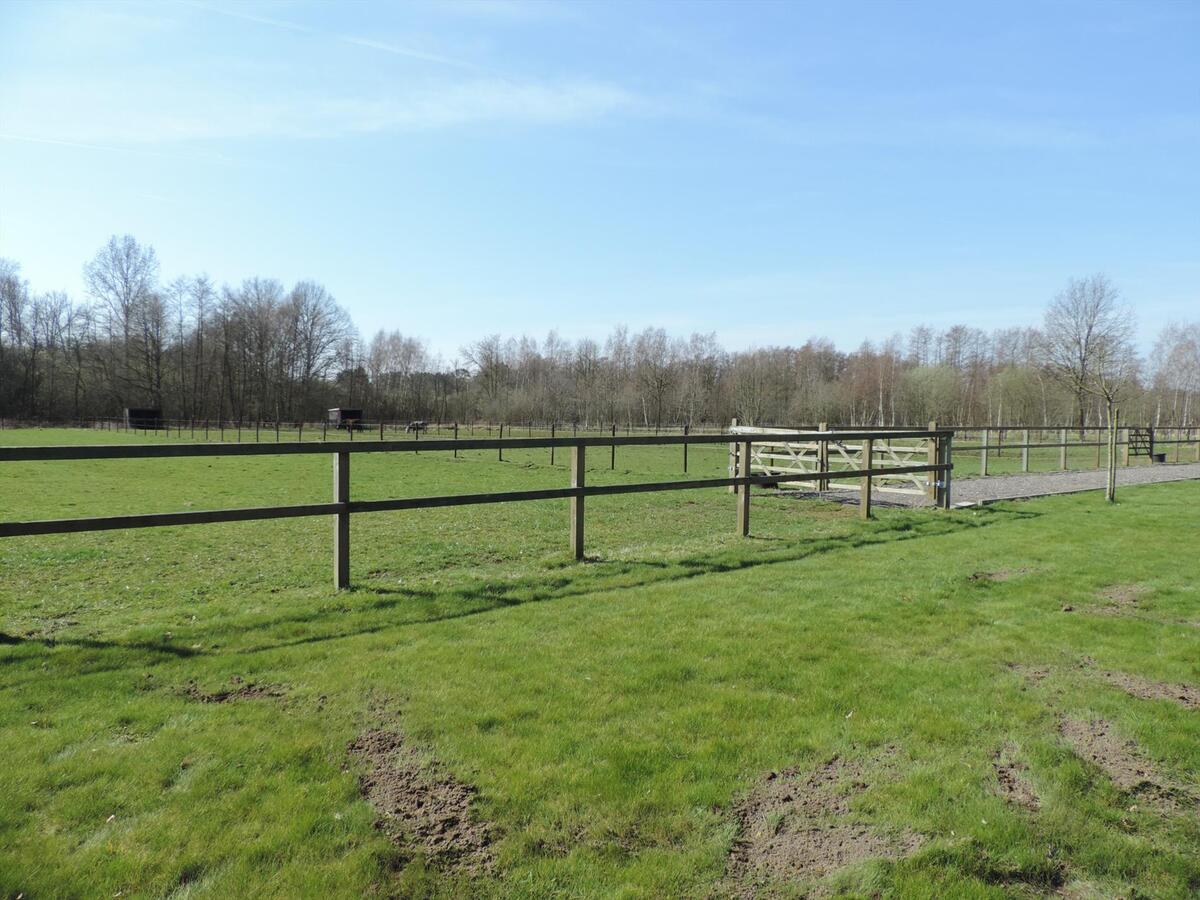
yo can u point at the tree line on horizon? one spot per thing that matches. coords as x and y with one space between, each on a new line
263 352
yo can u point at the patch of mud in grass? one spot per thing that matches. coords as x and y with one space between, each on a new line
797 825
423 809
1120 759
999 576
1121 599
1186 695
238 690
1032 674
1013 780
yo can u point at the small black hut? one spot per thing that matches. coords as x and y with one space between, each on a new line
344 417
143 418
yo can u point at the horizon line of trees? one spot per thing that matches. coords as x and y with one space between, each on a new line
262 352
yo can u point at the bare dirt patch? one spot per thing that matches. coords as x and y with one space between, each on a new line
1000 575
1013 780
424 809
797 825
1120 598
1032 674
1185 695
238 690
1122 761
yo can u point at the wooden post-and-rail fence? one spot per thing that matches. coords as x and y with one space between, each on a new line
1154 443
342 506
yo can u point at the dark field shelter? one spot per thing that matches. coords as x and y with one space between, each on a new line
143 418
344 417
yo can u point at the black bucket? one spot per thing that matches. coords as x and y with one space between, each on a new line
1159 457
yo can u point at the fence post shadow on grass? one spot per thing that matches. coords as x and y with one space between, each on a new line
559 581
423 605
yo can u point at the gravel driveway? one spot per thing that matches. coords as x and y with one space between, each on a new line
967 491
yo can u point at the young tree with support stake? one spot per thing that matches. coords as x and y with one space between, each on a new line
1087 344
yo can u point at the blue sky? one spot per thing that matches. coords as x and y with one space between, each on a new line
769 172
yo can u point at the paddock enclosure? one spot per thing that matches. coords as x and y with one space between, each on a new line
190 710
888 466
916 463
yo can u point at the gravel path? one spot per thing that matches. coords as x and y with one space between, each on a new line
967 491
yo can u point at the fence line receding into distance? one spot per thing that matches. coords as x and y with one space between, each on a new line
937 471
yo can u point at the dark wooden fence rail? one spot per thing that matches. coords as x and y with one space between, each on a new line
1133 441
342 506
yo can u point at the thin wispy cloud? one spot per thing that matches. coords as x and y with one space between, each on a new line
369 43
107 114
517 11
79 145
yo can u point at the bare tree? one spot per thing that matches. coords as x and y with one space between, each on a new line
1176 371
122 277
1088 345
1085 314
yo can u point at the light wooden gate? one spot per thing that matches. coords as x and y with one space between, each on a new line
789 459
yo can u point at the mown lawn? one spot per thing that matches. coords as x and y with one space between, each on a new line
610 713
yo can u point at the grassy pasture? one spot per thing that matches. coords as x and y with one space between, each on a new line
610 713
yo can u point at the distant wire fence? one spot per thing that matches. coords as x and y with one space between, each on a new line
1001 449
1072 447
267 429
937 470
358 430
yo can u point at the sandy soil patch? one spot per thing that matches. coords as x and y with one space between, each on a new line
1032 674
999 576
1185 695
238 690
1012 777
797 825
1118 599
423 808
1121 760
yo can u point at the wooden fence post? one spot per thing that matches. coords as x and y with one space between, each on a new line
864 496
1025 450
578 458
947 454
341 521
743 503
1062 451
1125 461
983 454
500 450
552 446
733 458
931 479
686 430
612 462
456 438
823 457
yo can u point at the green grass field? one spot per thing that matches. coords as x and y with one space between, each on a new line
612 713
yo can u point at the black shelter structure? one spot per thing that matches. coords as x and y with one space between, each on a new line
143 417
344 417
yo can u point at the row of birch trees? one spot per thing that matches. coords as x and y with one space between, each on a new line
264 351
